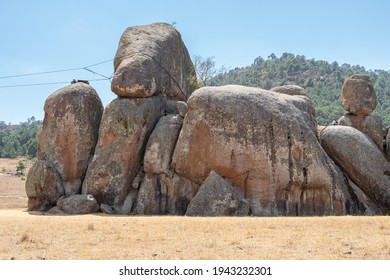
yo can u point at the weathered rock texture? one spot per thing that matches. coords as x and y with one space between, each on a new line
78 204
152 60
263 142
387 145
217 197
360 158
290 90
161 143
44 186
369 125
70 132
253 151
164 194
124 131
358 95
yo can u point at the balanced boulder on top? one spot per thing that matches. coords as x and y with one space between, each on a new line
152 60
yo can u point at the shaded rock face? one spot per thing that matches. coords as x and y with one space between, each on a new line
124 131
217 197
70 132
262 142
364 163
44 186
358 95
78 204
369 125
161 143
152 60
387 141
164 194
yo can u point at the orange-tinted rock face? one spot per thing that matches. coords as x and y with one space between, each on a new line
70 132
264 143
358 95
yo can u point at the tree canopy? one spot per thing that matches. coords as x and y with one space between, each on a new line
19 140
322 80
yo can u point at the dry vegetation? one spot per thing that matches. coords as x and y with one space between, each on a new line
36 236
12 193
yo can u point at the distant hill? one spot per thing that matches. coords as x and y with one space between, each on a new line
322 80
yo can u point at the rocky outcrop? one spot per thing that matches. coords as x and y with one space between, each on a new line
358 96
369 125
124 131
230 150
261 142
359 99
70 132
78 204
152 60
217 197
362 161
44 186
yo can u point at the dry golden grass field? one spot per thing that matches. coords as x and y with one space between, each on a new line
36 236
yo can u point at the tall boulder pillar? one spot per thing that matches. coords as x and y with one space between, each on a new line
359 99
70 132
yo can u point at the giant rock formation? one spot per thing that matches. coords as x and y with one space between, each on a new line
161 148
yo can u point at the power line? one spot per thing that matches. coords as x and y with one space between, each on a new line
49 83
55 71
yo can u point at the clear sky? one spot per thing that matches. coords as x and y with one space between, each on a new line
38 36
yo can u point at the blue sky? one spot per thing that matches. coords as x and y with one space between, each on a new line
38 36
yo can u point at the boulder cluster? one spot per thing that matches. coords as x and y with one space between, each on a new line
161 148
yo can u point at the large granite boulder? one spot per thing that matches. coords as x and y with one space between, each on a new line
44 186
361 159
369 125
358 95
217 197
152 60
124 132
78 204
266 144
70 132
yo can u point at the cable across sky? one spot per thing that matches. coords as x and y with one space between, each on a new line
53 72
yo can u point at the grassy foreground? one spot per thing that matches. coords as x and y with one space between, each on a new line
35 236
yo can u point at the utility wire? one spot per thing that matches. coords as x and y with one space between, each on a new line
50 83
54 71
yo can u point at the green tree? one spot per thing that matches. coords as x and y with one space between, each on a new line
20 167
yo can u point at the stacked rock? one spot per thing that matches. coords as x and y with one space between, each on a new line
153 71
66 144
359 99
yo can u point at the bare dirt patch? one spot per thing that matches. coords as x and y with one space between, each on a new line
37 236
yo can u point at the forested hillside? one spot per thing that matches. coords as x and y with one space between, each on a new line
19 140
322 80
